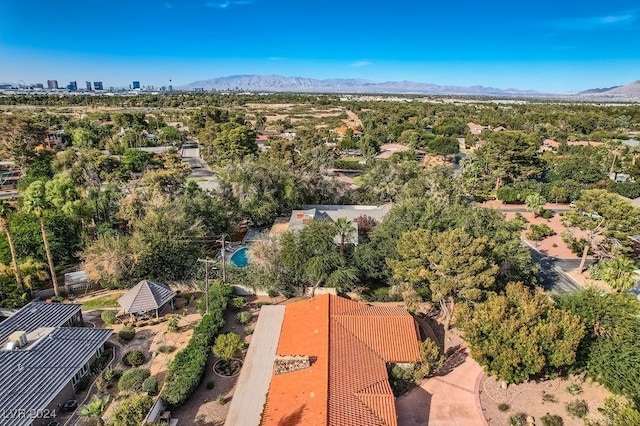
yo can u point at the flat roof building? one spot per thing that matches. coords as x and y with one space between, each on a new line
43 357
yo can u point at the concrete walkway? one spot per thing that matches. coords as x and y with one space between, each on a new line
250 394
448 400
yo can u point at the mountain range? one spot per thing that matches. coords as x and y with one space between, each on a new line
277 83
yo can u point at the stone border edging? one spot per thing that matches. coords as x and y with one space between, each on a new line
476 394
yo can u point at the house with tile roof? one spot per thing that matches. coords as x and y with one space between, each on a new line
326 359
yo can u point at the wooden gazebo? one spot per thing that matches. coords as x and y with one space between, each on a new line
146 296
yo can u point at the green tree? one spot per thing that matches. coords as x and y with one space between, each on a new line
535 202
135 160
599 212
520 334
444 146
311 257
453 264
35 201
618 272
345 229
19 137
5 210
620 412
610 349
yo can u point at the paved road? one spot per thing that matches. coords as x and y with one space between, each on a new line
553 273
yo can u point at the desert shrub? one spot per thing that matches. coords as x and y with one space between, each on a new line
134 358
551 420
166 349
540 232
248 330
110 374
547 214
243 317
187 368
578 408
172 324
132 380
272 293
238 303
108 317
150 385
574 389
127 334
519 221
221 400
131 411
227 345
547 397
519 419
503 407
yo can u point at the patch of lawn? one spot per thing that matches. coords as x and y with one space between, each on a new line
110 301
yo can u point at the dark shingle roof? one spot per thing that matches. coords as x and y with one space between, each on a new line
36 315
31 378
145 296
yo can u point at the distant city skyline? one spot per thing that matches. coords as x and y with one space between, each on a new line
559 47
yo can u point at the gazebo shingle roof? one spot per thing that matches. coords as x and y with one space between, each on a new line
146 296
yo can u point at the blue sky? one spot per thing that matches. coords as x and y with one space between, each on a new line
559 46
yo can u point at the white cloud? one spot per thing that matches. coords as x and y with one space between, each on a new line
360 64
596 22
224 4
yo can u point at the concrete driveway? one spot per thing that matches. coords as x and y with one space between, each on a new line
447 400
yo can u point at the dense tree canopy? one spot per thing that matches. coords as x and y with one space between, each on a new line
519 334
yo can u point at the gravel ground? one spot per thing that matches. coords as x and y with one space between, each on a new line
527 398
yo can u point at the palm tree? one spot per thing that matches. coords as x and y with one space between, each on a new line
535 202
32 269
5 211
618 273
94 409
28 269
344 228
35 201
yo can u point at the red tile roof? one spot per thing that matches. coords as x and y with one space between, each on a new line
351 344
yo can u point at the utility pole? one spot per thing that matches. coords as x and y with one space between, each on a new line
222 241
206 262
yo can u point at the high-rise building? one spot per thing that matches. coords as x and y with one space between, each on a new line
136 85
72 86
38 86
97 85
88 84
52 84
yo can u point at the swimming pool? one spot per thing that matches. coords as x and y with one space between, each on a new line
239 258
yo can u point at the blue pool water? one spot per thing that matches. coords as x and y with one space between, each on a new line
239 258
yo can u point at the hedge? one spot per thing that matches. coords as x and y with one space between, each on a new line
188 366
